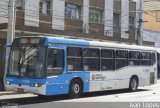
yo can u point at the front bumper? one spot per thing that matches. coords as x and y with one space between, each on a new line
26 89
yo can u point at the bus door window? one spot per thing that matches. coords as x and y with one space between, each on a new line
55 62
153 58
158 65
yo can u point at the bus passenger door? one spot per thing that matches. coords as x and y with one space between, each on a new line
158 65
148 68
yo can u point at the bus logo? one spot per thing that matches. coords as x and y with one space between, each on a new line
98 77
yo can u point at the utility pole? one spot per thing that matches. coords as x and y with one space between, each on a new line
10 31
140 21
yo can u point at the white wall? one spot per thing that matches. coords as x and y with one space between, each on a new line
152 36
85 15
124 18
58 9
4 11
32 13
108 18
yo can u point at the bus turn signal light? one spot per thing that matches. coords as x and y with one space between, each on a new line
38 85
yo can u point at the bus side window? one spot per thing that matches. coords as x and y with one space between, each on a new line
121 58
146 58
107 59
74 59
91 59
55 63
134 58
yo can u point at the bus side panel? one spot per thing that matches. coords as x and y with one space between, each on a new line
124 76
100 81
60 85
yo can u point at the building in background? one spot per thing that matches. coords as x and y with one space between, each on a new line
152 21
105 20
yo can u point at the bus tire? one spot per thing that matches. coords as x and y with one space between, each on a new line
75 89
133 85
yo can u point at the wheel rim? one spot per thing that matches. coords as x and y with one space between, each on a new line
134 84
76 88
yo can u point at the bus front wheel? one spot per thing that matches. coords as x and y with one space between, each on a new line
75 89
133 85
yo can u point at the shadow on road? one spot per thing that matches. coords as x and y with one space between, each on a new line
36 100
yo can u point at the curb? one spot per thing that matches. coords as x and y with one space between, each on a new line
2 93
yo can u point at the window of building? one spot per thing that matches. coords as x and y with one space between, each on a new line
145 58
19 4
121 59
74 59
134 58
72 11
45 7
91 59
131 22
55 64
107 60
95 16
116 20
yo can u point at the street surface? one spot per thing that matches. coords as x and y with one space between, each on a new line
144 94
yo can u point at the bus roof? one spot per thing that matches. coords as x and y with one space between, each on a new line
97 43
83 42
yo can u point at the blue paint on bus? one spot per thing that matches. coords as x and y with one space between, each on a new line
60 84
25 81
56 84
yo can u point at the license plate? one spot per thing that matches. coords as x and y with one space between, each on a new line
20 90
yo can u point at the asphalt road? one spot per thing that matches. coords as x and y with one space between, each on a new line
107 99
62 101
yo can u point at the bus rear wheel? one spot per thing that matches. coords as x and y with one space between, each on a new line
133 85
75 89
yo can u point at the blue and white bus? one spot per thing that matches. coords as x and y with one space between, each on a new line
53 65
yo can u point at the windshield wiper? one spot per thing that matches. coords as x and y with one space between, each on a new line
31 55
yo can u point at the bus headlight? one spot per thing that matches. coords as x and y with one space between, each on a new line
8 83
38 85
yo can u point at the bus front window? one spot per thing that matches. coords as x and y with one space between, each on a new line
27 62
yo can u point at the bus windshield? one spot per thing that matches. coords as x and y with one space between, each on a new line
27 62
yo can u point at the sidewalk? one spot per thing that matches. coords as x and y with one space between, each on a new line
2 92
8 93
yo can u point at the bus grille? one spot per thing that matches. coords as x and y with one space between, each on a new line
152 77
